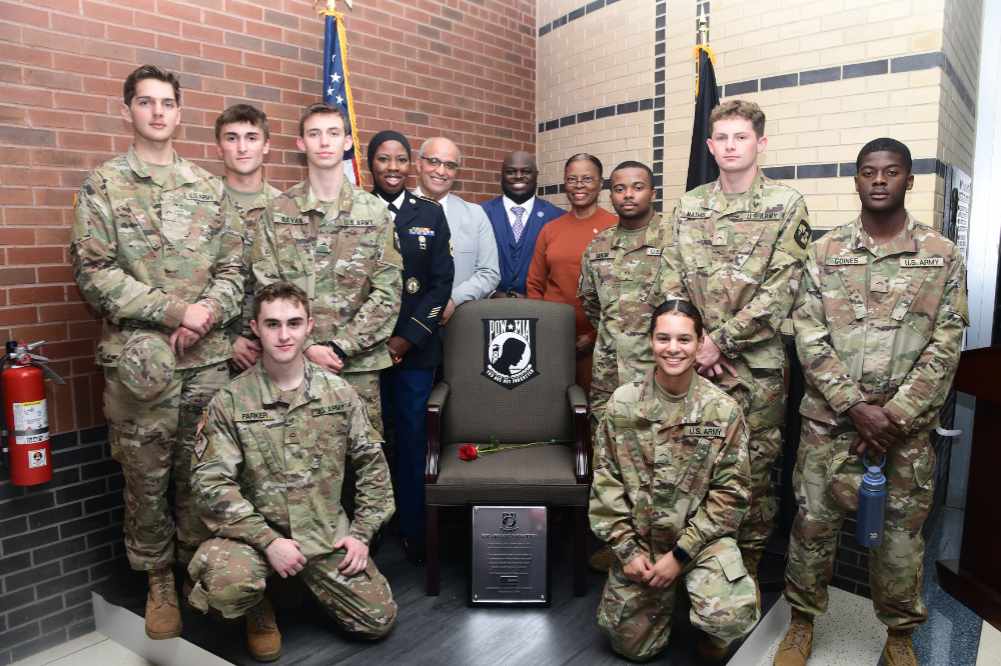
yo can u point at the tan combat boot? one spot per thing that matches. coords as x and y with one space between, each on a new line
899 650
163 619
264 642
795 648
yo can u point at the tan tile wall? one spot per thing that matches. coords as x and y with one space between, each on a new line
961 45
603 58
611 140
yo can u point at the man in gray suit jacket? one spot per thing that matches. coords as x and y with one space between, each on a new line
477 271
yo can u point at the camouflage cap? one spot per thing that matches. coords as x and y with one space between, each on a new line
146 364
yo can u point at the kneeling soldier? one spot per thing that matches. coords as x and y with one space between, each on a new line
268 468
671 485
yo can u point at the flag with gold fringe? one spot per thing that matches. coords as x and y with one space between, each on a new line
702 167
336 88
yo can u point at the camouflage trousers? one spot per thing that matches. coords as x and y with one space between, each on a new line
826 481
637 618
230 577
367 386
764 410
154 441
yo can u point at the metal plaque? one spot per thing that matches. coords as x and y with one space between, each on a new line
509 556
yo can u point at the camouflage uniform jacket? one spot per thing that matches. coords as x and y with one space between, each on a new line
143 250
251 215
740 263
615 281
263 471
660 483
347 262
881 323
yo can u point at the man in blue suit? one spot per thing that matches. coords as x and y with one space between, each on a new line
517 218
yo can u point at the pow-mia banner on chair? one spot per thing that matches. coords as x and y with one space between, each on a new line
509 352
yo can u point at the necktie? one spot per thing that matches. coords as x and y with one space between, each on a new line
518 225
393 209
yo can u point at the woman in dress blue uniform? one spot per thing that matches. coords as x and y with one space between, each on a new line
415 346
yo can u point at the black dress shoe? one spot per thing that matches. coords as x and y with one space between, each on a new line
413 549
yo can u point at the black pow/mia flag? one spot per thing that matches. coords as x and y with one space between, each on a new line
509 351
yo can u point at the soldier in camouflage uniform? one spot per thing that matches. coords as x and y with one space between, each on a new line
879 328
268 470
617 269
243 140
337 243
737 253
671 485
156 251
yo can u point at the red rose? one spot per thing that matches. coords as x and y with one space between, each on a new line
467 452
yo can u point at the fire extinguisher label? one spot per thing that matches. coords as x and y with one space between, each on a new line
36 458
31 422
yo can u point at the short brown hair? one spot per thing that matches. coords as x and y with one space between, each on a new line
149 72
321 108
741 109
243 113
285 291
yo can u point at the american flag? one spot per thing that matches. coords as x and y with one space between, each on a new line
336 90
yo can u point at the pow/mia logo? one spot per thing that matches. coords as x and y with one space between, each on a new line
509 521
509 351
802 234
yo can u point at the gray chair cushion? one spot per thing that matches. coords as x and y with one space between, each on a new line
522 410
541 475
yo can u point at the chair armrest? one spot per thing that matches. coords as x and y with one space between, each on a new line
436 402
582 438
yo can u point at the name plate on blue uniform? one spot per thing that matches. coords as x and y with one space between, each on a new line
509 556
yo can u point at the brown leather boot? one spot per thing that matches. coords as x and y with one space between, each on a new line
264 642
711 649
795 648
899 650
163 619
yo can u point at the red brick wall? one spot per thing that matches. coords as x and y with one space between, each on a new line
463 68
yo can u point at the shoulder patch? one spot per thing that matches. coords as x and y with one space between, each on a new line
803 234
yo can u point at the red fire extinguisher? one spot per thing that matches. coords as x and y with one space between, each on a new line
26 413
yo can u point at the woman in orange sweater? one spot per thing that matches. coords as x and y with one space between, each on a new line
555 268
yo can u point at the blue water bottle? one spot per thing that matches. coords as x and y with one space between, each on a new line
871 506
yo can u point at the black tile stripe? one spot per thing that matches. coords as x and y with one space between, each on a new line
594 114
899 64
573 15
659 101
921 166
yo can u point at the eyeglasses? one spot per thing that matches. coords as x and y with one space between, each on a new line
574 180
435 163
